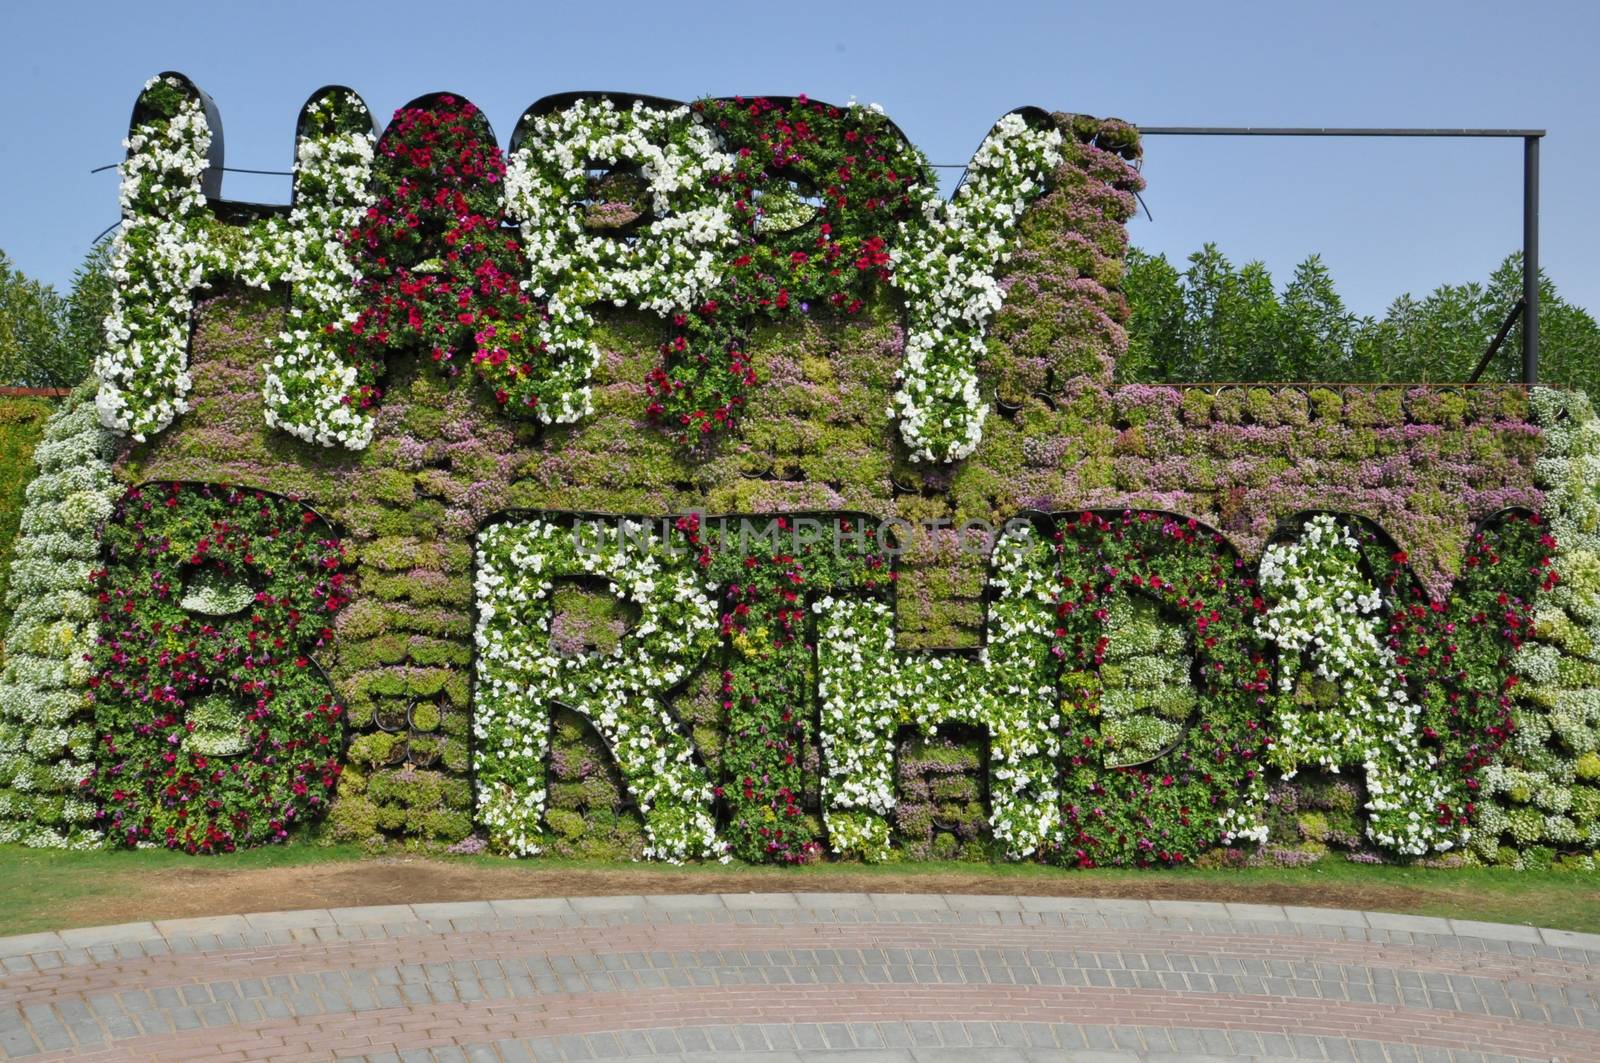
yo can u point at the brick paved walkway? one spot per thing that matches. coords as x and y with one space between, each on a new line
770 977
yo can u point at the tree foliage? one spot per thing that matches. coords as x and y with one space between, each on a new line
48 340
1215 321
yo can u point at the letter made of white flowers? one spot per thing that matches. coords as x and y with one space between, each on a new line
169 246
520 676
1327 621
944 265
668 264
868 691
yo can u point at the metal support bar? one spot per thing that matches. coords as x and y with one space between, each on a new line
1332 131
1499 338
1530 260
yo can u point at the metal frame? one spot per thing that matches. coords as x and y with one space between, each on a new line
1530 199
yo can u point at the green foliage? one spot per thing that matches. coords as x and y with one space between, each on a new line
1146 694
83 324
31 314
22 422
942 813
47 341
1214 321
590 813
1442 336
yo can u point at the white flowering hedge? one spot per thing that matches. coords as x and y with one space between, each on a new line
945 265
667 265
520 675
1542 799
868 692
47 733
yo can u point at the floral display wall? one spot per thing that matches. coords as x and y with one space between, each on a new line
1223 624
1546 786
47 737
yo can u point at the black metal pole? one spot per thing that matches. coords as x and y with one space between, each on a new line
1325 131
1494 344
1530 260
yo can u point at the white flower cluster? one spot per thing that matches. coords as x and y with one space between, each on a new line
211 593
1325 613
945 265
168 244
311 388
669 264
867 692
520 676
160 256
1146 693
1545 789
47 733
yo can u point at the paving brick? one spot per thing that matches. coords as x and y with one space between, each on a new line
375 914
25 944
108 936
446 911
296 920
933 974
759 901
1496 931
212 925
1188 910
1324 916
683 902
1084 905
1411 924
1264 913
1569 939
907 902
832 901
530 907
978 902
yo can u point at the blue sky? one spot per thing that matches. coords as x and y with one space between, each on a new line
1388 216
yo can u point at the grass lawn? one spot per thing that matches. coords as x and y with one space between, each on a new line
44 889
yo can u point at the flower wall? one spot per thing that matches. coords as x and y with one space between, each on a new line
1545 789
719 235
734 307
215 728
46 725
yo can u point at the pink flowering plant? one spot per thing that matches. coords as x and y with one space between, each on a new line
439 269
1203 788
217 730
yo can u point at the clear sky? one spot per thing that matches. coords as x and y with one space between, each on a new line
1388 216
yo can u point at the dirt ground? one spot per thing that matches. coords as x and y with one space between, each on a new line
182 892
